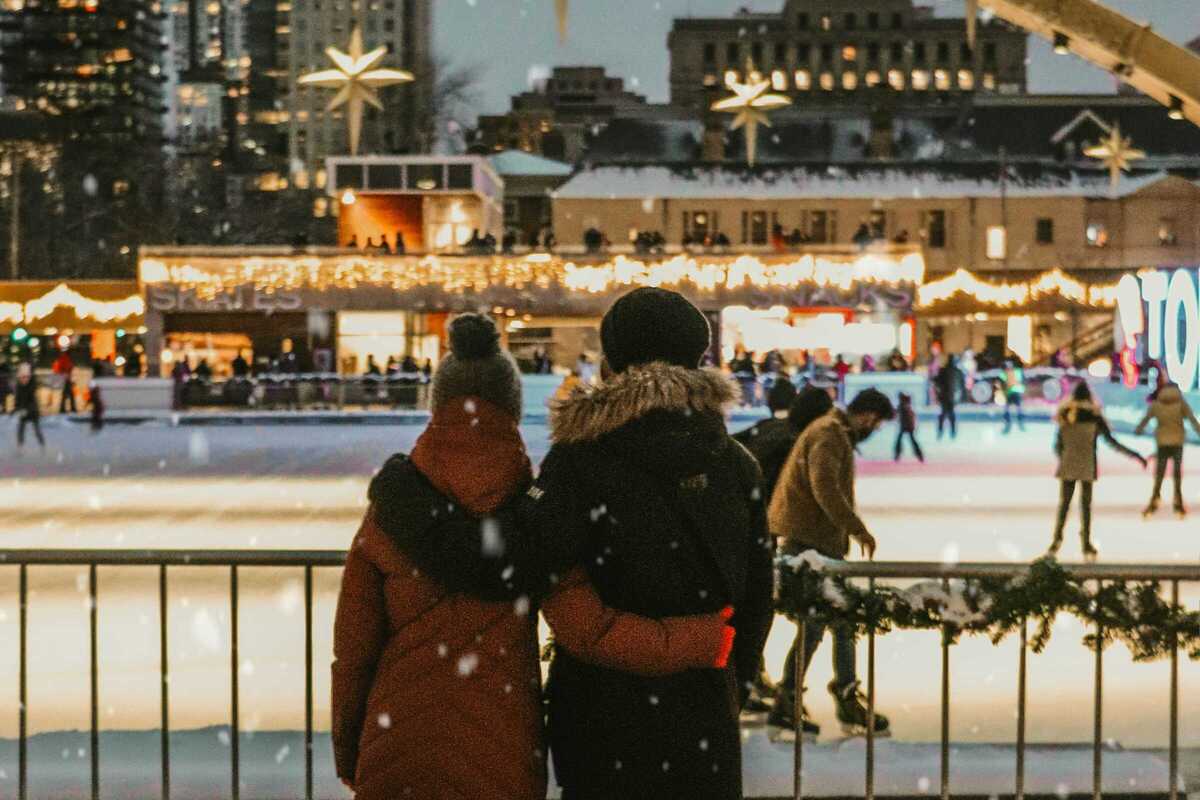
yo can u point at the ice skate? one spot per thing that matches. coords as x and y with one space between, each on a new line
1150 510
781 724
852 714
1180 512
1090 553
1055 546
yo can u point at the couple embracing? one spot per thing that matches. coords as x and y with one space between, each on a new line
642 542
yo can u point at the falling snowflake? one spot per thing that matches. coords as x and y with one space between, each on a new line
653 699
493 540
385 720
598 513
223 737
923 785
704 745
282 754
443 651
467 665
521 606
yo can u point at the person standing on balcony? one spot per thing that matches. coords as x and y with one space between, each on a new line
813 508
26 397
436 684
1080 426
1170 410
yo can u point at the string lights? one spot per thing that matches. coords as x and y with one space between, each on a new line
84 308
1015 295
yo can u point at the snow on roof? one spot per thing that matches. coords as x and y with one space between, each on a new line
716 183
518 162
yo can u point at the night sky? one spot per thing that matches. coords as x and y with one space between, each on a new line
510 39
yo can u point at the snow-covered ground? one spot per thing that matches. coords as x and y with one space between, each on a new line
984 497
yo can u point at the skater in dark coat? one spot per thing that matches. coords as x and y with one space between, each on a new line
948 385
1080 426
670 511
26 405
436 690
770 441
907 417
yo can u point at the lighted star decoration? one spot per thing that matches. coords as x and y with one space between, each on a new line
1117 153
750 102
560 8
356 77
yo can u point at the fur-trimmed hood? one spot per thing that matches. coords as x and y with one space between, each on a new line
593 411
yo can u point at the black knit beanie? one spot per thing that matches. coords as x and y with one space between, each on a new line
652 324
477 367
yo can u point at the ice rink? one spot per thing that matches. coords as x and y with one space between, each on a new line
982 497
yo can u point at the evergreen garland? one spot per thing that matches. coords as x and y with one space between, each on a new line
1132 612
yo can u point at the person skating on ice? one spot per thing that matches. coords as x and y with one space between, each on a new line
1014 394
26 405
814 508
1080 426
1170 411
908 428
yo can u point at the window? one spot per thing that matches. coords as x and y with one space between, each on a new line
941 79
699 226
873 53
1167 237
873 20
827 81
732 53
1045 230
731 77
780 54
849 53
826 53
897 52
897 21
997 242
989 81
896 79
873 78
849 81
710 53
710 79
803 53
756 54
943 52
1096 234
919 52
802 21
964 52
935 228
851 21
754 227
822 227
966 80
989 52
803 80
779 81
826 22
878 224
920 80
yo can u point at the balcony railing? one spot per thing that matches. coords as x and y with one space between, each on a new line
1173 575
309 561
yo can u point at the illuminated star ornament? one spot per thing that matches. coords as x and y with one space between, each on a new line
356 78
560 8
750 102
1117 153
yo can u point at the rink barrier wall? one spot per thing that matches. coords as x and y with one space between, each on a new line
234 560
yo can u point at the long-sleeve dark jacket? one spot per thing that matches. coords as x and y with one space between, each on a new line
25 398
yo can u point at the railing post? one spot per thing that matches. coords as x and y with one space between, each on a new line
163 689
1021 700
1098 726
798 668
1173 755
946 705
870 777
95 682
308 682
234 727
23 683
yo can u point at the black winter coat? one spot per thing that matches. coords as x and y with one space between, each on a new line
770 442
671 516
26 401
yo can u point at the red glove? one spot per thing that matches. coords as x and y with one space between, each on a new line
727 635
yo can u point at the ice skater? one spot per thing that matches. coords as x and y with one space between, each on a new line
1169 410
908 427
1014 394
949 386
27 405
1080 425
96 401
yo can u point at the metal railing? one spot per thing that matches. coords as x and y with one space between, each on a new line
163 559
1173 575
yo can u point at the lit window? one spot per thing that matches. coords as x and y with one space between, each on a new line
920 80
989 81
874 78
826 22
997 242
731 77
779 80
896 79
710 80
803 80
849 53
966 80
827 81
754 77
1166 233
1097 234
941 79
849 81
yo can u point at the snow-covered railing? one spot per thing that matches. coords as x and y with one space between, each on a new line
947 594
162 559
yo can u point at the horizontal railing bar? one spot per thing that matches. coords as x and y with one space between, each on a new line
336 558
925 569
194 558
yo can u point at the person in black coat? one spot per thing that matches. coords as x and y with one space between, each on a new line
670 513
27 405
948 385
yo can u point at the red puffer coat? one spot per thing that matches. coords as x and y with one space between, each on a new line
437 695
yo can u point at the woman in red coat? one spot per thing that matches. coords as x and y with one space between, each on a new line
436 685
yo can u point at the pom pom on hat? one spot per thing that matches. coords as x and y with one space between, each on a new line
474 336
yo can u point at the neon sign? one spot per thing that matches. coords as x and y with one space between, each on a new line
1171 323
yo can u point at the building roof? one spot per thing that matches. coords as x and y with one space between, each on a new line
864 181
519 163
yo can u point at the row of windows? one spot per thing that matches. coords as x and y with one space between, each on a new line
920 80
849 52
849 21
